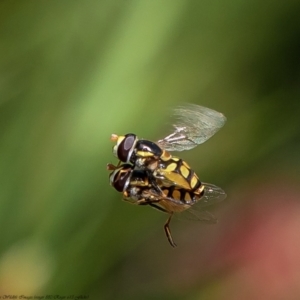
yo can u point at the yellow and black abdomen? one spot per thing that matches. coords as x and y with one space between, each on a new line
173 170
183 199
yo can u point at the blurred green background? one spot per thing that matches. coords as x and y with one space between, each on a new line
74 72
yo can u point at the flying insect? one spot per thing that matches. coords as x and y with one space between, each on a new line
193 125
138 189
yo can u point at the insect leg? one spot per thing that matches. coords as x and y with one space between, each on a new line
142 202
168 231
154 183
147 201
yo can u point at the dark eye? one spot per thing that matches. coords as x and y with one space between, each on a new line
121 180
125 147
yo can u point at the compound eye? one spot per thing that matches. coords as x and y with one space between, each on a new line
119 179
126 146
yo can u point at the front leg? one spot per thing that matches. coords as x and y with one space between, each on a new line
140 198
155 184
147 201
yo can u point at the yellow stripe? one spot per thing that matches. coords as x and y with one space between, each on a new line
187 197
171 167
184 171
144 154
176 194
194 181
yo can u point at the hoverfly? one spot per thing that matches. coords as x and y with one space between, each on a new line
193 126
138 189
163 181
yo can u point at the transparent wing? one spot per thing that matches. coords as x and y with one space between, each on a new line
195 212
193 125
196 215
212 195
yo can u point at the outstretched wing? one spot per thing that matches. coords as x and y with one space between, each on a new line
193 125
212 195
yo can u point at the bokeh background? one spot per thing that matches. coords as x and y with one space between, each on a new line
73 72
